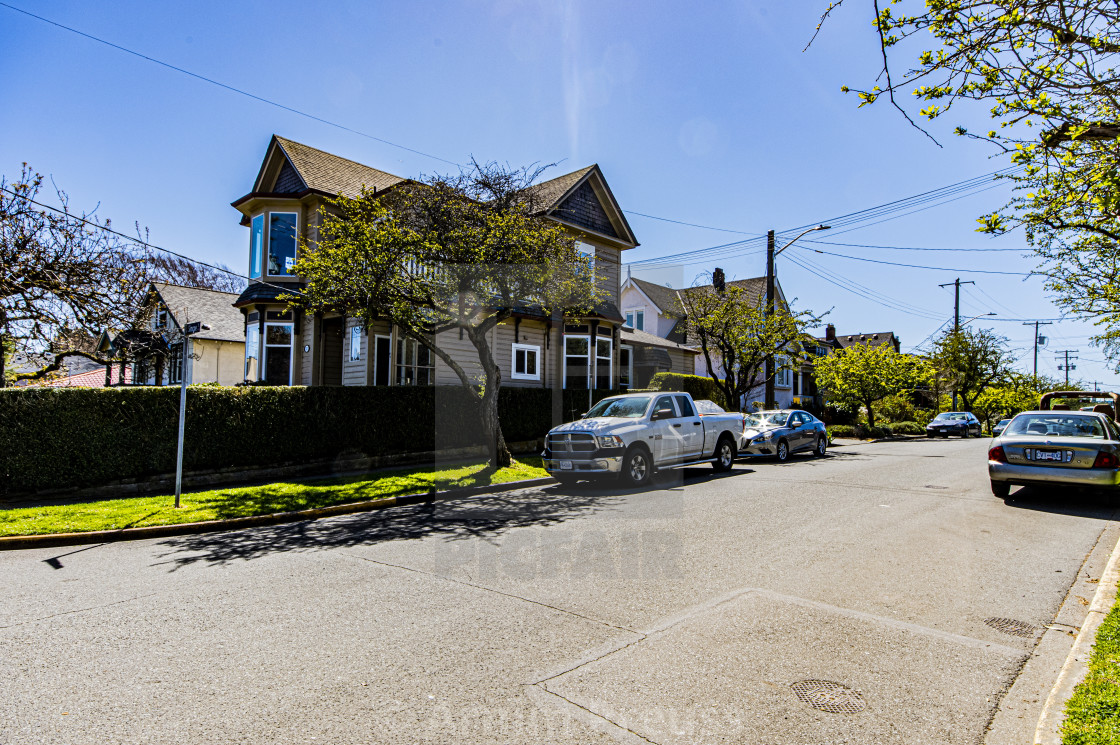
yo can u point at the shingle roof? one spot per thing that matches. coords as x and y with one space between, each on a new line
665 298
870 339
323 171
552 191
644 338
91 378
211 307
259 292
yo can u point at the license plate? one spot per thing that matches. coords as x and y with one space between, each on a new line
565 465
1054 456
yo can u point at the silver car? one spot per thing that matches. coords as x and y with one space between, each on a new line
1047 448
782 433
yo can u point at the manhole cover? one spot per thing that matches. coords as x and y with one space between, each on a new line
835 698
1013 627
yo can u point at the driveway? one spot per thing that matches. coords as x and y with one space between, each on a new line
854 598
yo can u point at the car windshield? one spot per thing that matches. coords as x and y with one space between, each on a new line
767 419
951 416
1057 425
704 406
631 408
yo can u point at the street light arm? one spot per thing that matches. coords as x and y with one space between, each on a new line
803 234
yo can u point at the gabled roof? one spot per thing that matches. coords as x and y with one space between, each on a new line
644 338
666 298
554 196
91 378
213 308
319 170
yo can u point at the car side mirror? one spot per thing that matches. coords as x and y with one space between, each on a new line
583 415
661 414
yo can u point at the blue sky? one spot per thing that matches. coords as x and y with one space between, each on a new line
713 116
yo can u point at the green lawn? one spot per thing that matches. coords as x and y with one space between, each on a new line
220 504
1093 713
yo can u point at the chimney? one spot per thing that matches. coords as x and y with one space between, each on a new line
719 280
830 332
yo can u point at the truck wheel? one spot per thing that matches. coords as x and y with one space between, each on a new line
725 455
637 467
782 454
1001 489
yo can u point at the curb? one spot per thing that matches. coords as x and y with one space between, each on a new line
53 540
1048 731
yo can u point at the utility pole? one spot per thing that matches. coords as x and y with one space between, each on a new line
769 312
1067 367
1036 324
771 292
956 319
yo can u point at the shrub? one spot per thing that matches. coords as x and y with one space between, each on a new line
698 386
842 430
62 437
907 428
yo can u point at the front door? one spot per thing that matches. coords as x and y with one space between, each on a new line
668 440
381 347
691 429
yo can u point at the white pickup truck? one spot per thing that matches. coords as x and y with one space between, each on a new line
634 435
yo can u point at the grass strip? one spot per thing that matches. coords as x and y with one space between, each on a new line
1093 712
249 501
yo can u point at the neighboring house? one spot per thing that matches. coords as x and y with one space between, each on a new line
658 309
873 339
643 355
153 353
290 347
104 375
805 386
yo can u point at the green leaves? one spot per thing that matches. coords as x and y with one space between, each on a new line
862 375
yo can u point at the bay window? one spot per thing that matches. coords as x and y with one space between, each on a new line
281 243
577 372
256 243
278 353
252 353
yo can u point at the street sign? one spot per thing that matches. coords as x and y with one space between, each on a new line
192 328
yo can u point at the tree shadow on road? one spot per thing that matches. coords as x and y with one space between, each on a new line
486 517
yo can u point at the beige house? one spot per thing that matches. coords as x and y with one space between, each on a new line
154 353
286 347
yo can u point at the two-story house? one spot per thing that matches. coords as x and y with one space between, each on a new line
288 202
658 309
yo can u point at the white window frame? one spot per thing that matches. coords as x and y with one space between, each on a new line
629 319
176 377
267 253
414 365
373 358
265 350
587 359
536 350
629 366
587 249
251 330
610 362
255 272
355 350
784 376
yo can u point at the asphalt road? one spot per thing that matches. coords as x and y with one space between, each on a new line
691 613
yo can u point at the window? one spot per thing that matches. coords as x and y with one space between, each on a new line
525 362
603 363
252 353
625 367
587 250
577 373
256 241
161 317
175 364
685 406
355 342
630 319
281 243
640 320
414 363
784 377
278 353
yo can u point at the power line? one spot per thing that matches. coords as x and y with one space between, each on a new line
916 266
866 293
145 244
912 248
691 224
228 87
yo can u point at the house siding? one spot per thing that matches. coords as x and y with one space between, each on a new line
583 208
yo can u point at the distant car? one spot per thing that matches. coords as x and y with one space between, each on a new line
998 429
782 433
1056 447
961 423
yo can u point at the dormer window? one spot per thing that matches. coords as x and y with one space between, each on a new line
161 317
256 243
281 243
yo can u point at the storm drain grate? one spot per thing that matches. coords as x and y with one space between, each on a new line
835 698
1013 627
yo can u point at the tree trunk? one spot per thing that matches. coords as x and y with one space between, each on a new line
870 415
499 454
3 359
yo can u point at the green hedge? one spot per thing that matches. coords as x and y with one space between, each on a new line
62 437
698 386
863 432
